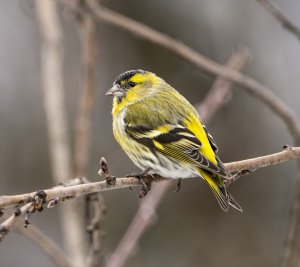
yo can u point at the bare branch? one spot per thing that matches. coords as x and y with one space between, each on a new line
220 90
256 163
52 79
255 88
36 203
125 182
70 191
281 17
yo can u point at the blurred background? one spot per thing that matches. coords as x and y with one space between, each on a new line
191 230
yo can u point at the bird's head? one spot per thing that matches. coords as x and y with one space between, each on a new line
134 85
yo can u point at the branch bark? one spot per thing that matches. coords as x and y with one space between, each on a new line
281 18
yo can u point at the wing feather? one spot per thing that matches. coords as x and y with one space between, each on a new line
178 143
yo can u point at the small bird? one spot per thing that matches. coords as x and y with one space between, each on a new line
161 132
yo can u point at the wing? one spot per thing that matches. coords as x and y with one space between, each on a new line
173 129
174 141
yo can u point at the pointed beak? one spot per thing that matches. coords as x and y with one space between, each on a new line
116 90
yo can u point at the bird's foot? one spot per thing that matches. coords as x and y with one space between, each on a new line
228 181
146 183
178 185
139 175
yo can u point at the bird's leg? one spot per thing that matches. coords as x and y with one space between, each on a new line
146 185
178 185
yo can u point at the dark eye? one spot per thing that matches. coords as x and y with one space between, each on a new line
131 84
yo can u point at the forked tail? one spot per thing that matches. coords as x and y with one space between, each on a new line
217 186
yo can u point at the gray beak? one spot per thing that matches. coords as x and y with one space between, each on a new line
116 90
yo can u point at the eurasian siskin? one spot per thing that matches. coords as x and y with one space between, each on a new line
162 134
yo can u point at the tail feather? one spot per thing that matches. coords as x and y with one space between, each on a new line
233 203
223 197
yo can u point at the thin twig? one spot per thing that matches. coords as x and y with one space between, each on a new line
252 86
52 78
125 182
36 203
281 17
256 163
219 92
7 225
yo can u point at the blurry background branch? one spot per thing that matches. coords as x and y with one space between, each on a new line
281 17
87 30
143 219
59 143
220 91
93 204
43 242
291 252
95 212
